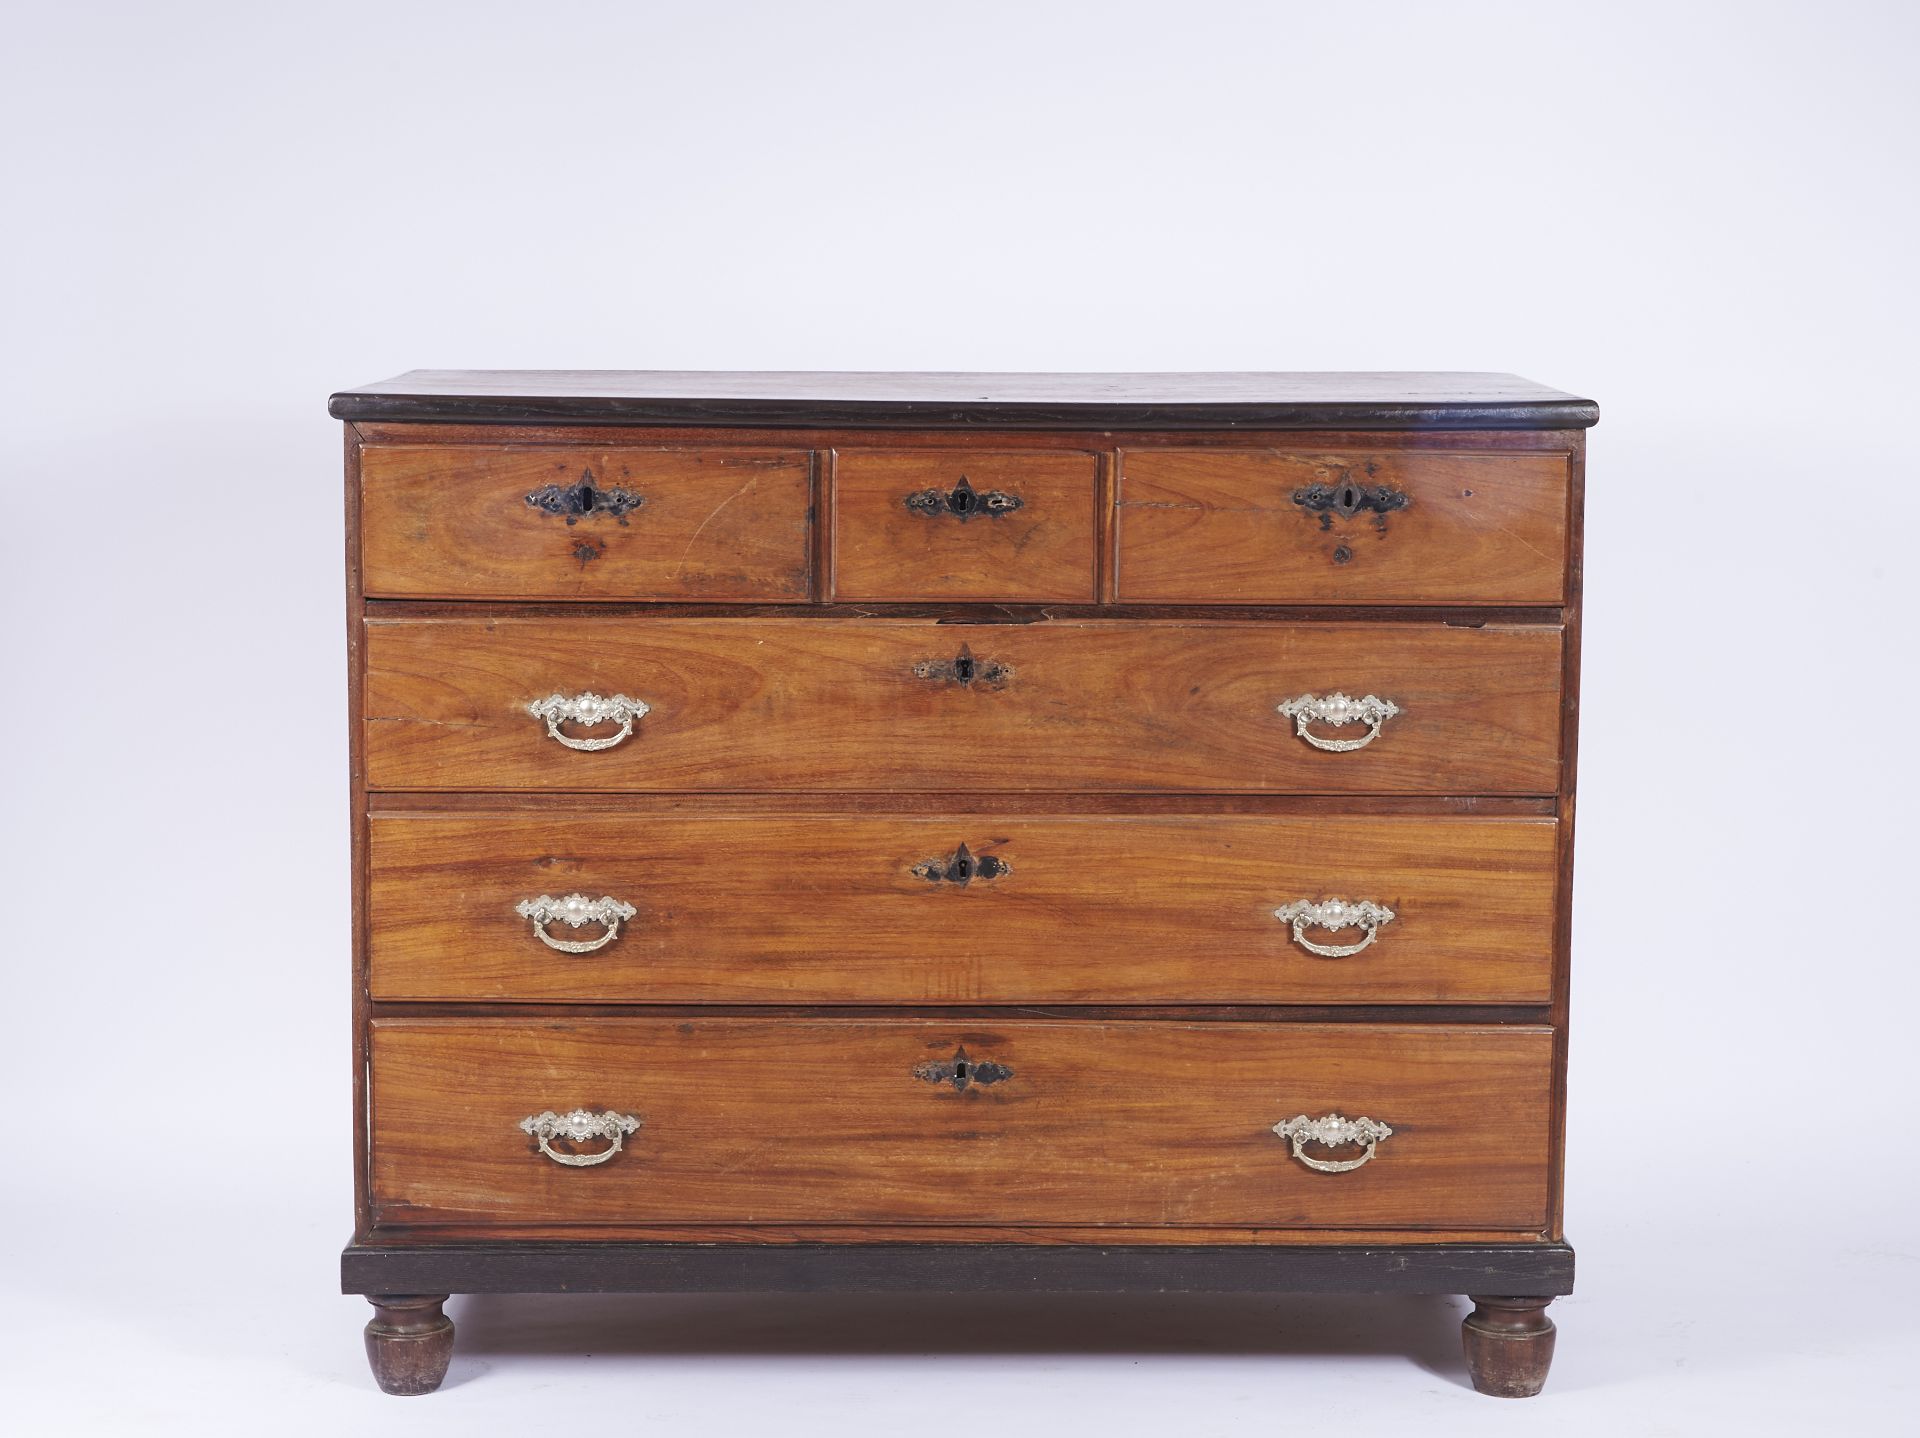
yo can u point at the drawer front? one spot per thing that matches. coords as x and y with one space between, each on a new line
479 521
1274 526
750 1120
964 524
761 908
876 705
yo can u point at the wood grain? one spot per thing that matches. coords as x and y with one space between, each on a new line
1223 526
763 1120
453 521
1087 707
826 909
885 550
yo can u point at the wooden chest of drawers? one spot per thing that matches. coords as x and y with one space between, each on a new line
961 832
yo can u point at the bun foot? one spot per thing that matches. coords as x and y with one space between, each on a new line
1509 1343
409 1342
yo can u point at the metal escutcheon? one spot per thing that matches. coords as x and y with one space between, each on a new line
963 502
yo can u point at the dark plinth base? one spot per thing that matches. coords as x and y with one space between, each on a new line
1509 1340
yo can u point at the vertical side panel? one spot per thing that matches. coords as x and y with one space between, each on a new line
357 799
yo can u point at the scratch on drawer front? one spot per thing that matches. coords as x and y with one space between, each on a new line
715 514
1195 504
1524 543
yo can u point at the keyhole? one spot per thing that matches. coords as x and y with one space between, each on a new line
963 669
1348 499
962 500
960 1070
963 869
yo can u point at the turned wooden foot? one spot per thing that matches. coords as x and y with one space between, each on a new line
409 1342
1509 1343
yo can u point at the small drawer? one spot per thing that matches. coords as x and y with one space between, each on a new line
514 522
890 705
566 906
1394 526
1008 525
1000 1121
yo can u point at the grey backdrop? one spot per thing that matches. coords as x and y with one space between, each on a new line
1702 215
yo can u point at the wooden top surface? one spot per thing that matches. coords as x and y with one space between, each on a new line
1244 400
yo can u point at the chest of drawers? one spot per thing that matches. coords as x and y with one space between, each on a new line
946 832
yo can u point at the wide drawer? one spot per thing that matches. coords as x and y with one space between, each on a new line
513 522
1308 526
994 524
820 908
750 1120
875 705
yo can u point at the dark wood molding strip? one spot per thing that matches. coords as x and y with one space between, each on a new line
1519 1270
1456 616
1139 402
642 413
567 1010
1023 803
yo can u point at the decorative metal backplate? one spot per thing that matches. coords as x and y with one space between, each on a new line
579 1126
1348 497
572 501
588 708
962 867
965 670
1332 1130
963 502
960 1072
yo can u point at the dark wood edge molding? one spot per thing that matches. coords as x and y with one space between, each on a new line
359 817
1517 1270
1522 1015
1022 803
958 615
997 414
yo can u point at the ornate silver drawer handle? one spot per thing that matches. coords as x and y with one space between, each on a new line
575 911
1338 710
578 1127
558 709
1334 914
1333 1131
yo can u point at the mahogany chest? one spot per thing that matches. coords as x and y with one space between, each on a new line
955 832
